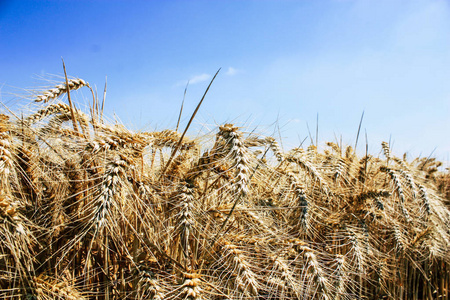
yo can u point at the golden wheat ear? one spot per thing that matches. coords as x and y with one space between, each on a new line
234 261
60 89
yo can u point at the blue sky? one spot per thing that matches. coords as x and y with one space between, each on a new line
285 61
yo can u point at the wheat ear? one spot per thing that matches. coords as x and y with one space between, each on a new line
48 288
238 155
58 108
300 196
61 108
426 201
358 249
74 84
109 188
399 189
191 287
6 162
386 150
235 261
341 275
400 243
312 272
339 169
169 138
275 147
312 171
286 274
315 272
148 286
409 179
184 221
12 222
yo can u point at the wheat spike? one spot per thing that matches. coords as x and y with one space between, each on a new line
426 202
61 108
283 272
302 201
6 163
235 262
108 191
310 170
74 84
191 287
341 275
148 286
48 288
185 221
238 154
314 274
275 147
386 150
399 189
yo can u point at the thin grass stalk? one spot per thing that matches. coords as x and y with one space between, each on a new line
187 126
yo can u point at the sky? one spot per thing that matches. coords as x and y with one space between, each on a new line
286 66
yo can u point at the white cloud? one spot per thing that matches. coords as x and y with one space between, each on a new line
199 78
231 71
194 79
295 120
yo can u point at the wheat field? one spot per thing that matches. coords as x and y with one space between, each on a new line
93 210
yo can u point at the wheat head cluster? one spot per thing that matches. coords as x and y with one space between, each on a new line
92 210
